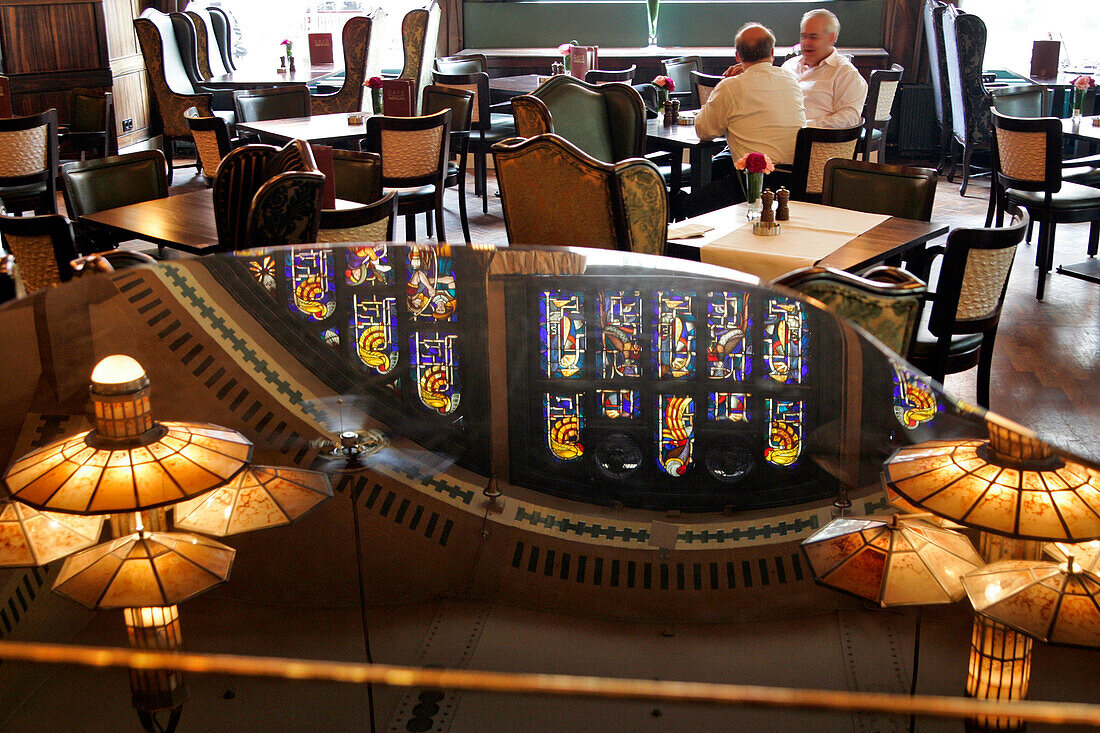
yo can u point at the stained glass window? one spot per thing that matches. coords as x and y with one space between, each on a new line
728 325
620 324
263 269
674 335
561 333
730 406
914 401
430 285
435 369
312 286
785 341
368 265
374 330
784 431
618 403
564 422
331 336
675 433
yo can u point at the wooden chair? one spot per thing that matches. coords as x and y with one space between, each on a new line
702 85
1027 170
370 223
461 103
91 127
277 103
877 188
419 34
602 76
358 175
43 247
679 70
286 209
815 146
28 163
881 91
1024 100
885 301
414 154
212 142
553 193
959 325
356 40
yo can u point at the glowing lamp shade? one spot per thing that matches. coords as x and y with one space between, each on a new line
30 537
144 569
893 561
116 370
1084 554
257 498
1053 602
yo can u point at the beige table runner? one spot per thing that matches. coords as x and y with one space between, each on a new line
813 232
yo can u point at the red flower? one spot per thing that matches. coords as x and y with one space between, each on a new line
756 163
375 82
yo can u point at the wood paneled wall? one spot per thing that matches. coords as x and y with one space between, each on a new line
127 69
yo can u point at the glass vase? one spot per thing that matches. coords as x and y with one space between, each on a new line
1078 102
376 100
754 185
653 8
662 98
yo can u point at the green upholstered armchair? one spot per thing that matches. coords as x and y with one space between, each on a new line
606 121
553 193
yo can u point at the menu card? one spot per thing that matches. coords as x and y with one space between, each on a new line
322 155
5 98
320 48
583 59
398 97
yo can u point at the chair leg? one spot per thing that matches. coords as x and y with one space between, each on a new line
410 227
1030 226
168 159
882 149
484 183
428 222
441 235
1094 238
953 159
1046 243
967 150
992 208
985 366
462 209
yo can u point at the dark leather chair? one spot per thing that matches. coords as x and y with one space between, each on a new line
28 162
648 93
349 98
959 324
419 35
358 175
210 58
554 193
286 209
467 63
1027 170
198 70
606 121
814 147
91 127
1022 100
277 103
222 26
885 301
414 154
602 76
702 85
107 183
877 188
679 70
372 222
964 45
461 103
932 13
882 88
212 142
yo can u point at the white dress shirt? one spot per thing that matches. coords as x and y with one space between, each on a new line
834 90
759 111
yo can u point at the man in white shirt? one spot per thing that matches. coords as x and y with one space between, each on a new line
834 90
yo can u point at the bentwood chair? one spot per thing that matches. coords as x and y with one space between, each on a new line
885 301
369 223
91 127
554 193
959 324
1027 168
461 103
414 154
349 98
602 76
28 162
679 70
702 85
212 142
881 91
814 147
419 33
278 103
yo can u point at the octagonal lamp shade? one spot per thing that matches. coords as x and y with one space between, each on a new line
1085 554
30 537
259 497
1057 603
892 561
897 501
144 569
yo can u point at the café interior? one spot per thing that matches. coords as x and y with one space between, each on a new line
370 368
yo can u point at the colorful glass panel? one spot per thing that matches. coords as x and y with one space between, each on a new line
674 335
435 369
618 403
728 324
561 333
430 286
564 422
263 269
730 406
374 331
331 337
620 329
914 401
785 341
784 431
312 286
675 433
368 265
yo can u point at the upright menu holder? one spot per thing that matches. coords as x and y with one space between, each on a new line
583 59
398 97
320 48
1044 59
5 98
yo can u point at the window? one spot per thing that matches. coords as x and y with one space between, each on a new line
1013 24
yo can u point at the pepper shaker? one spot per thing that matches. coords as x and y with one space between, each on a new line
767 215
783 210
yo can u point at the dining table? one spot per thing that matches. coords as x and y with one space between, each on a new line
820 235
258 76
1083 129
506 87
675 139
331 129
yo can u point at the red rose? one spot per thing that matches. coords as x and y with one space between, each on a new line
375 82
756 163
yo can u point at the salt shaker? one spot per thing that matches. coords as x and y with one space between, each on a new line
783 210
767 214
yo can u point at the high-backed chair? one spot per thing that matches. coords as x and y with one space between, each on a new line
419 35
881 91
189 43
554 193
602 76
28 162
414 154
369 223
964 45
356 40
1027 170
959 324
885 301
679 70
486 126
702 85
894 190
43 247
91 127
277 103
358 175
210 58
286 209
222 26
932 14
467 63
212 142
461 103
813 147
95 185
606 121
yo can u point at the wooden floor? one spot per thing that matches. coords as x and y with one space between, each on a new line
1046 366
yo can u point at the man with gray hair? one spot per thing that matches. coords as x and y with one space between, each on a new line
834 90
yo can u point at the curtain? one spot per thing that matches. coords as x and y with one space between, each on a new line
901 35
450 28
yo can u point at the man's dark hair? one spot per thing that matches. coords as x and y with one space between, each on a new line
757 49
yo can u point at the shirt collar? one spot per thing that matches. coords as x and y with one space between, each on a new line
832 59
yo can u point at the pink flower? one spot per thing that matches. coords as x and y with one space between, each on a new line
754 163
665 82
1084 82
563 49
286 42
375 82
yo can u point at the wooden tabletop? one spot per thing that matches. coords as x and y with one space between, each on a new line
316 129
254 76
890 239
513 86
1083 129
679 136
